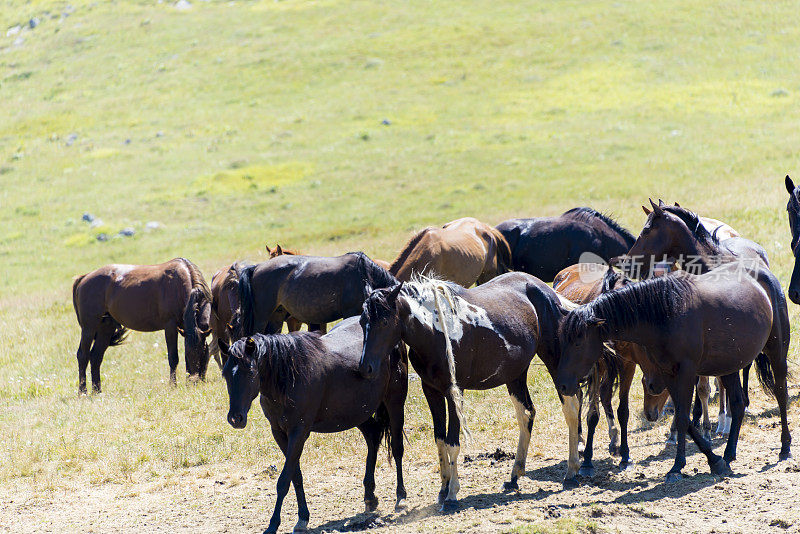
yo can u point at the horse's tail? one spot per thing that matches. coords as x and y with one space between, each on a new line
119 335
454 391
75 283
504 263
765 376
246 303
382 417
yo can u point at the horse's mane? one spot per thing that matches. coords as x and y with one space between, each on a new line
277 356
198 282
692 220
611 278
373 274
403 256
584 213
654 301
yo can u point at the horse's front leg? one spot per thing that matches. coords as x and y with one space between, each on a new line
436 404
297 481
592 418
171 337
736 398
623 412
571 407
704 394
294 448
453 448
371 430
724 418
523 405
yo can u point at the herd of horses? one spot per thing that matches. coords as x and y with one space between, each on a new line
469 306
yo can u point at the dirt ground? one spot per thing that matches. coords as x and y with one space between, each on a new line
762 495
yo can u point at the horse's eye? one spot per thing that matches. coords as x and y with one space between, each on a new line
384 322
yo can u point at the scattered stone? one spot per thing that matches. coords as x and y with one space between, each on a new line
153 225
386 122
71 138
159 134
127 141
373 63
183 5
34 22
779 92
127 232
95 223
87 217
13 30
102 237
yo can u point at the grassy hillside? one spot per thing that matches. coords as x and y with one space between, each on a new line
333 126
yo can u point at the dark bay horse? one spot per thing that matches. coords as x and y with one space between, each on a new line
793 209
543 246
712 324
583 283
224 303
171 296
310 383
478 338
312 289
679 235
465 251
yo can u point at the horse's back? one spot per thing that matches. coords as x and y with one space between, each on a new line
580 283
745 248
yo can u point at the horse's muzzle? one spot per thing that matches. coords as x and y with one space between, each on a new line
568 388
237 420
652 414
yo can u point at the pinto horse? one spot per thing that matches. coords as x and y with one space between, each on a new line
465 251
583 283
712 324
543 246
478 338
310 383
171 296
311 289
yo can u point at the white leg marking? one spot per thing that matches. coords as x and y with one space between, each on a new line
572 410
444 463
454 486
524 419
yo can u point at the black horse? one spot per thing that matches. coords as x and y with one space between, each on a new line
543 246
712 325
310 383
793 208
314 290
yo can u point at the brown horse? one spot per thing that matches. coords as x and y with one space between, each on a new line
224 303
171 296
465 251
712 324
583 283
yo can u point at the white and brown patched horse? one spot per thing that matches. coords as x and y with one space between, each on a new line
171 296
479 339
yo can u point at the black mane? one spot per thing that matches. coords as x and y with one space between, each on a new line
653 302
692 220
374 275
585 213
278 355
611 278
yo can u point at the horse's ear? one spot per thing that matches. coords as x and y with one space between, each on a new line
392 296
677 205
269 251
249 346
656 208
661 203
278 250
645 210
789 185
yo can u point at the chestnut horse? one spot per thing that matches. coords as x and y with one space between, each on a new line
310 383
171 296
711 324
465 251
543 246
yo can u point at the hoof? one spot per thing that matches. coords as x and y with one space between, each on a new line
626 465
570 483
784 456
671 441
511 485
271 531
300 527
442 496
400 505
449 506
370 505
674 477
721 468
586 471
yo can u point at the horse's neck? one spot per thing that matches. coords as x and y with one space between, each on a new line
695 251
549 317
641 332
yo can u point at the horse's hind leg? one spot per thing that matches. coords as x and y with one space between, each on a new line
736 397
101 342
723 418
592 418
745 382
606 393
436 404
703 395
523 405
371 430
453 448
776 350
623 412
171 337
87 336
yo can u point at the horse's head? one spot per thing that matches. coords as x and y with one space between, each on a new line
655 397
380 320
660 239
196 328
581 342
242 378
793 208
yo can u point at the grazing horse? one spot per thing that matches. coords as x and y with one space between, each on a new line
543 246
583 283
465 251
314 290
793 209
224 303
171 296
678 235
310 383
711 324
478 338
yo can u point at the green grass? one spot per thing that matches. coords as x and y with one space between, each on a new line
240 124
